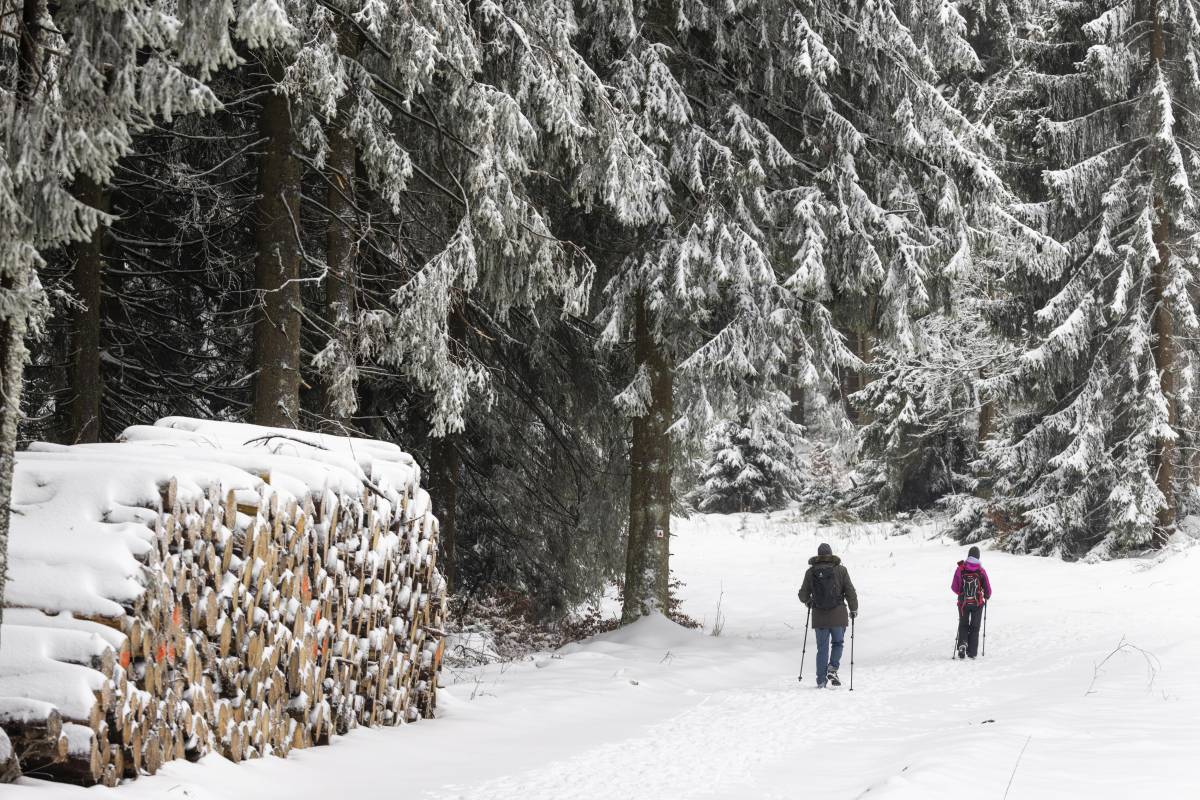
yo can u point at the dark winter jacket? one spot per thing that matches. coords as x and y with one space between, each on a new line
966 566
835 617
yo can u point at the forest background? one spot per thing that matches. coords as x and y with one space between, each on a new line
597 262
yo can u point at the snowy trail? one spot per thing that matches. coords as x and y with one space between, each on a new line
658 712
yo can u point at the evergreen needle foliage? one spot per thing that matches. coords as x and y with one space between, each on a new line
552 246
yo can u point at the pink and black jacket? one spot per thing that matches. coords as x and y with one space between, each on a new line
971 565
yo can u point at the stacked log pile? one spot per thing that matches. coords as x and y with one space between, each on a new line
282 588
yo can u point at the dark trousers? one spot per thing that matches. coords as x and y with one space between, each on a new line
969 619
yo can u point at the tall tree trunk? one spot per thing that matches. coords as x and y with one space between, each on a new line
85 387
12 365
445 469
13 324
647 554
987 416
1164 334
445 473
854 380
277 266
1163 348
797 412
340 250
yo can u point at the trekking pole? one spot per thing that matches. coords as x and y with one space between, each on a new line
852 654
983 652
804 649
954 652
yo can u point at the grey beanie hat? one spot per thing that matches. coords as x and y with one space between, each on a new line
824 550
973 552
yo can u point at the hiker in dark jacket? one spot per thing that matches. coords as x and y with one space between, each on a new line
826 591
973 588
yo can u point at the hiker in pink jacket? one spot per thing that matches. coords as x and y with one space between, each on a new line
973 588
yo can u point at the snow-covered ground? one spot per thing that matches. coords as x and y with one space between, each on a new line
656 711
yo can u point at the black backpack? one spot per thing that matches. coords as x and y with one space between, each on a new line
825 593
971 594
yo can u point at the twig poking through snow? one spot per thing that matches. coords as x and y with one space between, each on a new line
1015 766
719 622
1152 664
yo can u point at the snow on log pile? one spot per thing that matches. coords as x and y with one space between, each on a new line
207 586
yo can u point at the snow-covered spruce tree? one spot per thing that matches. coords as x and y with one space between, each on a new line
406 109
193 214
516 127
1092 458
542 500
816 174
303 58
923 415
77 80
919 420
748 468
178 278
525 125
693 294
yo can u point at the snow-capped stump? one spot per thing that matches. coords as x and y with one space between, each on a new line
207 586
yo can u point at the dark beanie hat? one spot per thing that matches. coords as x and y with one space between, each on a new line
973 552
824 550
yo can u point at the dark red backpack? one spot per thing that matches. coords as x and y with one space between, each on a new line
970 595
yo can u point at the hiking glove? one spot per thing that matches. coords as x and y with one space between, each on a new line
853 614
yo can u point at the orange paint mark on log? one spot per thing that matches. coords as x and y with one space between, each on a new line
305 587
125 659
161 654
171 654
177 616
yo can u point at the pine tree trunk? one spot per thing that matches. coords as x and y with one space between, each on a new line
797 412
12 364
445 474
277 266
1164 361
445 469
13 323
85 387
647 555
855 380
340 250
1164 335
987 416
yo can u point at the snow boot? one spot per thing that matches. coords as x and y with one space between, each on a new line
832 677
962 650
